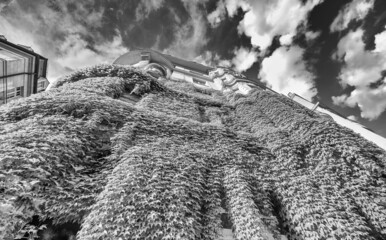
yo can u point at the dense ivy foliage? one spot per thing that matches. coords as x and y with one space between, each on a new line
183 162
336 183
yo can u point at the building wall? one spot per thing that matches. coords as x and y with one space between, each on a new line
253 159
227 80
355 126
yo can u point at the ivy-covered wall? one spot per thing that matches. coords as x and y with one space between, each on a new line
182 163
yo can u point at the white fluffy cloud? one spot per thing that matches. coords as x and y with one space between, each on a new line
372 102
233 5
286 40
380 43
212 59
263 20
266 19
76 54
362 69
355 10
244 59
285 71
215 17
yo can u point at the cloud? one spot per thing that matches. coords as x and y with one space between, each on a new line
215 17
380 43
233 5
244 59
76 53
65 33
190 38
4 3
144 8
310 35
75 33
372 102
353 11
361 67
363 70
286 40
212 59
266 19
285 71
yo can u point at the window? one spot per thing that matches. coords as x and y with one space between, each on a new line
15 92
177 76
11 93
20 91
41 67
40 84
155 72
195 80
197 73
145 56
2 97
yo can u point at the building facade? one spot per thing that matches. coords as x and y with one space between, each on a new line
227 80
341 120
182 163
22 71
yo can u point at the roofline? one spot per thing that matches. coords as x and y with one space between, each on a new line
322 105
161 55
22 49
165 57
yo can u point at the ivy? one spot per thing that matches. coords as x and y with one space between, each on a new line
171 165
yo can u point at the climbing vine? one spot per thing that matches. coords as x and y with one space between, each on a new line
183 163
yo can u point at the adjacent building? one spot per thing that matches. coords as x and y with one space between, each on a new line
22 71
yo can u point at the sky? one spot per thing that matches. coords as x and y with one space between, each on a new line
332 51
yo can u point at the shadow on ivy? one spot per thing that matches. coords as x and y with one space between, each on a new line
46 230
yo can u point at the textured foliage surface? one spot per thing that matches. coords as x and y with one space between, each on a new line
183 163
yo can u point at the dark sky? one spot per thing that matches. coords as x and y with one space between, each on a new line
330 51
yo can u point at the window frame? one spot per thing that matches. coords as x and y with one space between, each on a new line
19 91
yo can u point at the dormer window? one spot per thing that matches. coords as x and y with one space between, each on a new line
145 56
155 70
197 81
